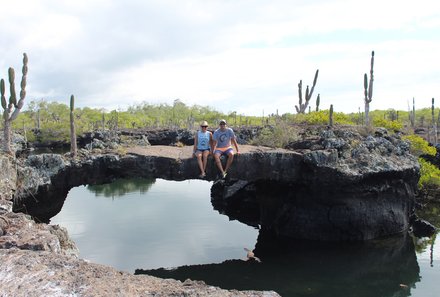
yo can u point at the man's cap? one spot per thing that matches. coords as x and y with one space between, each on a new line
204 123
222 122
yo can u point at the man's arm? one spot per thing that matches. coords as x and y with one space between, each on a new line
234 142
211 142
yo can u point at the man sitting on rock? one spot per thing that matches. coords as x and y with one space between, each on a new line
223 137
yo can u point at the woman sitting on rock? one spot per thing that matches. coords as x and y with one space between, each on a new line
202 147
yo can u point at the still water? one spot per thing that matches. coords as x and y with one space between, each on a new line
140 223
144 225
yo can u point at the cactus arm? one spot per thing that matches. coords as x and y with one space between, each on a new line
366 87
370 88
300 92
314 83
2 90
307 94
24 71
13 96
72 103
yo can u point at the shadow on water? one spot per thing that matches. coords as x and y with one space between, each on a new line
386 267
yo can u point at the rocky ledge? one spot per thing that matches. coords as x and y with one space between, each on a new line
41 260
333 185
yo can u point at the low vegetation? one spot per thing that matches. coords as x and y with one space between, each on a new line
49 121
429 173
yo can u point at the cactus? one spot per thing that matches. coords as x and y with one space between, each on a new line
330 116
12 109
318 99
368 91
73 147
434 126
301 107
412 114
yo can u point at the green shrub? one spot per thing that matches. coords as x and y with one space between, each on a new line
429 175
278 135
419 146
322 118
391 125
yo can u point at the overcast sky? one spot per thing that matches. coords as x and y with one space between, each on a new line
234 55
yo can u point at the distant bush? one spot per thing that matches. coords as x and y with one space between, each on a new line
278 135
419 146
322 118
429 175
391 125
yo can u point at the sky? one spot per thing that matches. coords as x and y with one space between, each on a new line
246 56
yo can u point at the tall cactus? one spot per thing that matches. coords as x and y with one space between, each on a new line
434 126
73 147
330 116
318 99
368 91
301 107
412 114
12 109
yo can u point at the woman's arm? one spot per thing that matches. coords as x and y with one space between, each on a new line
195 143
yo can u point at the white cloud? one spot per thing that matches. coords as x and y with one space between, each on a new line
244 56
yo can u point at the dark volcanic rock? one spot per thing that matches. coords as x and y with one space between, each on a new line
422 228
353 188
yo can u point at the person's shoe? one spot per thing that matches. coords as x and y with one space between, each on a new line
224 174
203 175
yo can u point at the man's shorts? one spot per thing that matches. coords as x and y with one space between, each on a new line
224 150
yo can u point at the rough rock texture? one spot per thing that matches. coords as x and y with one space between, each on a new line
114 138
41 260
335 185
8 176
44 273
346 187
338 186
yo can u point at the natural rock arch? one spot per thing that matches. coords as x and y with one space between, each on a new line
335 187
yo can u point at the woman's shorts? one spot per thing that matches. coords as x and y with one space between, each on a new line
201 151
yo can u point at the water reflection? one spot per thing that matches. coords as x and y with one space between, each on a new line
151 224
377 268
121 187
158 223
424 246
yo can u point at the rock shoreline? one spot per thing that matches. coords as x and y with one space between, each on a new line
337 185
41 260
